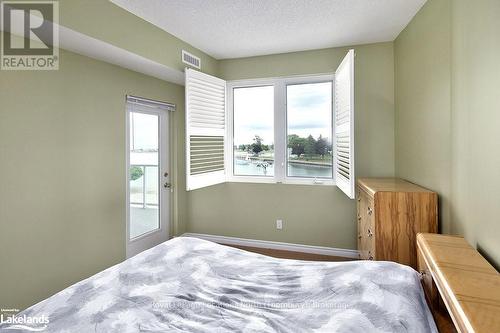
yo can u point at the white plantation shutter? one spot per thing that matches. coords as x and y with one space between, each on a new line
344 125
205 129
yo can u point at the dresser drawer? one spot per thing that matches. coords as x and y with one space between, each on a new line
367 242
366 225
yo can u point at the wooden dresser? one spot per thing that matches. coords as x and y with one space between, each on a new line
391 212
458 283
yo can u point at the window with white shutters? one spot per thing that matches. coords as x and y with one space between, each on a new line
280 130
344 125
205 129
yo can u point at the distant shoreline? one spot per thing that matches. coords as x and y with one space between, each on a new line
301 162
309 163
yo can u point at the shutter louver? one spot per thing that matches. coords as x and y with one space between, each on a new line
207 154
205 129
344 125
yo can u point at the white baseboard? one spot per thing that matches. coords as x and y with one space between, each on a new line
329 251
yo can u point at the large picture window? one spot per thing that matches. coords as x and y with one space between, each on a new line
281 130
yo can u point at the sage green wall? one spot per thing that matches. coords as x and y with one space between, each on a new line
110 23
62 153
423 103
313 215
457 66
475 120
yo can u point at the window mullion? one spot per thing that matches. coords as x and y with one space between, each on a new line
280 131
229 150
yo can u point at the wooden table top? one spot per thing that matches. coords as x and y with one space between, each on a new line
373 185
468 284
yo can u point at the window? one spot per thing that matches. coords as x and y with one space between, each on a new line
253 134
282 130
309 130
295 130
143 170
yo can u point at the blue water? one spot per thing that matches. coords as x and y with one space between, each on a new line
247 168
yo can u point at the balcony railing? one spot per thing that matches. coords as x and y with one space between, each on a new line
144 190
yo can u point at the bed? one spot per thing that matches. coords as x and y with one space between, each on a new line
192 285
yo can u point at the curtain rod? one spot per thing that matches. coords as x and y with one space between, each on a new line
151 102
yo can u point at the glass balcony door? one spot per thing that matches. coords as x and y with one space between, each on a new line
148 179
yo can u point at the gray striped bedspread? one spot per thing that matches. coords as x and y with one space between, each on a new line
192 285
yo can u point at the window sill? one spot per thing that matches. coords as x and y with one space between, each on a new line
288 181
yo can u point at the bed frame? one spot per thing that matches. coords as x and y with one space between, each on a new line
461 287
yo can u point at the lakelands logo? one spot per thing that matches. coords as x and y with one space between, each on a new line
30 35
26 323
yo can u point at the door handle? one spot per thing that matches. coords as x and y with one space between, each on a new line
167 185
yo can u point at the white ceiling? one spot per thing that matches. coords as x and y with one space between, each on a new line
241 28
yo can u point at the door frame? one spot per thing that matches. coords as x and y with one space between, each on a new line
162 234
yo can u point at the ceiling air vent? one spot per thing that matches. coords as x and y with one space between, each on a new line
191 60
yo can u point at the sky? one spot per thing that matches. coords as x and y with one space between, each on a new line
144 130
309 112
253 114
310 109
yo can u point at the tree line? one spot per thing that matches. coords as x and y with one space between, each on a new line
256 147
300 146
308 146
